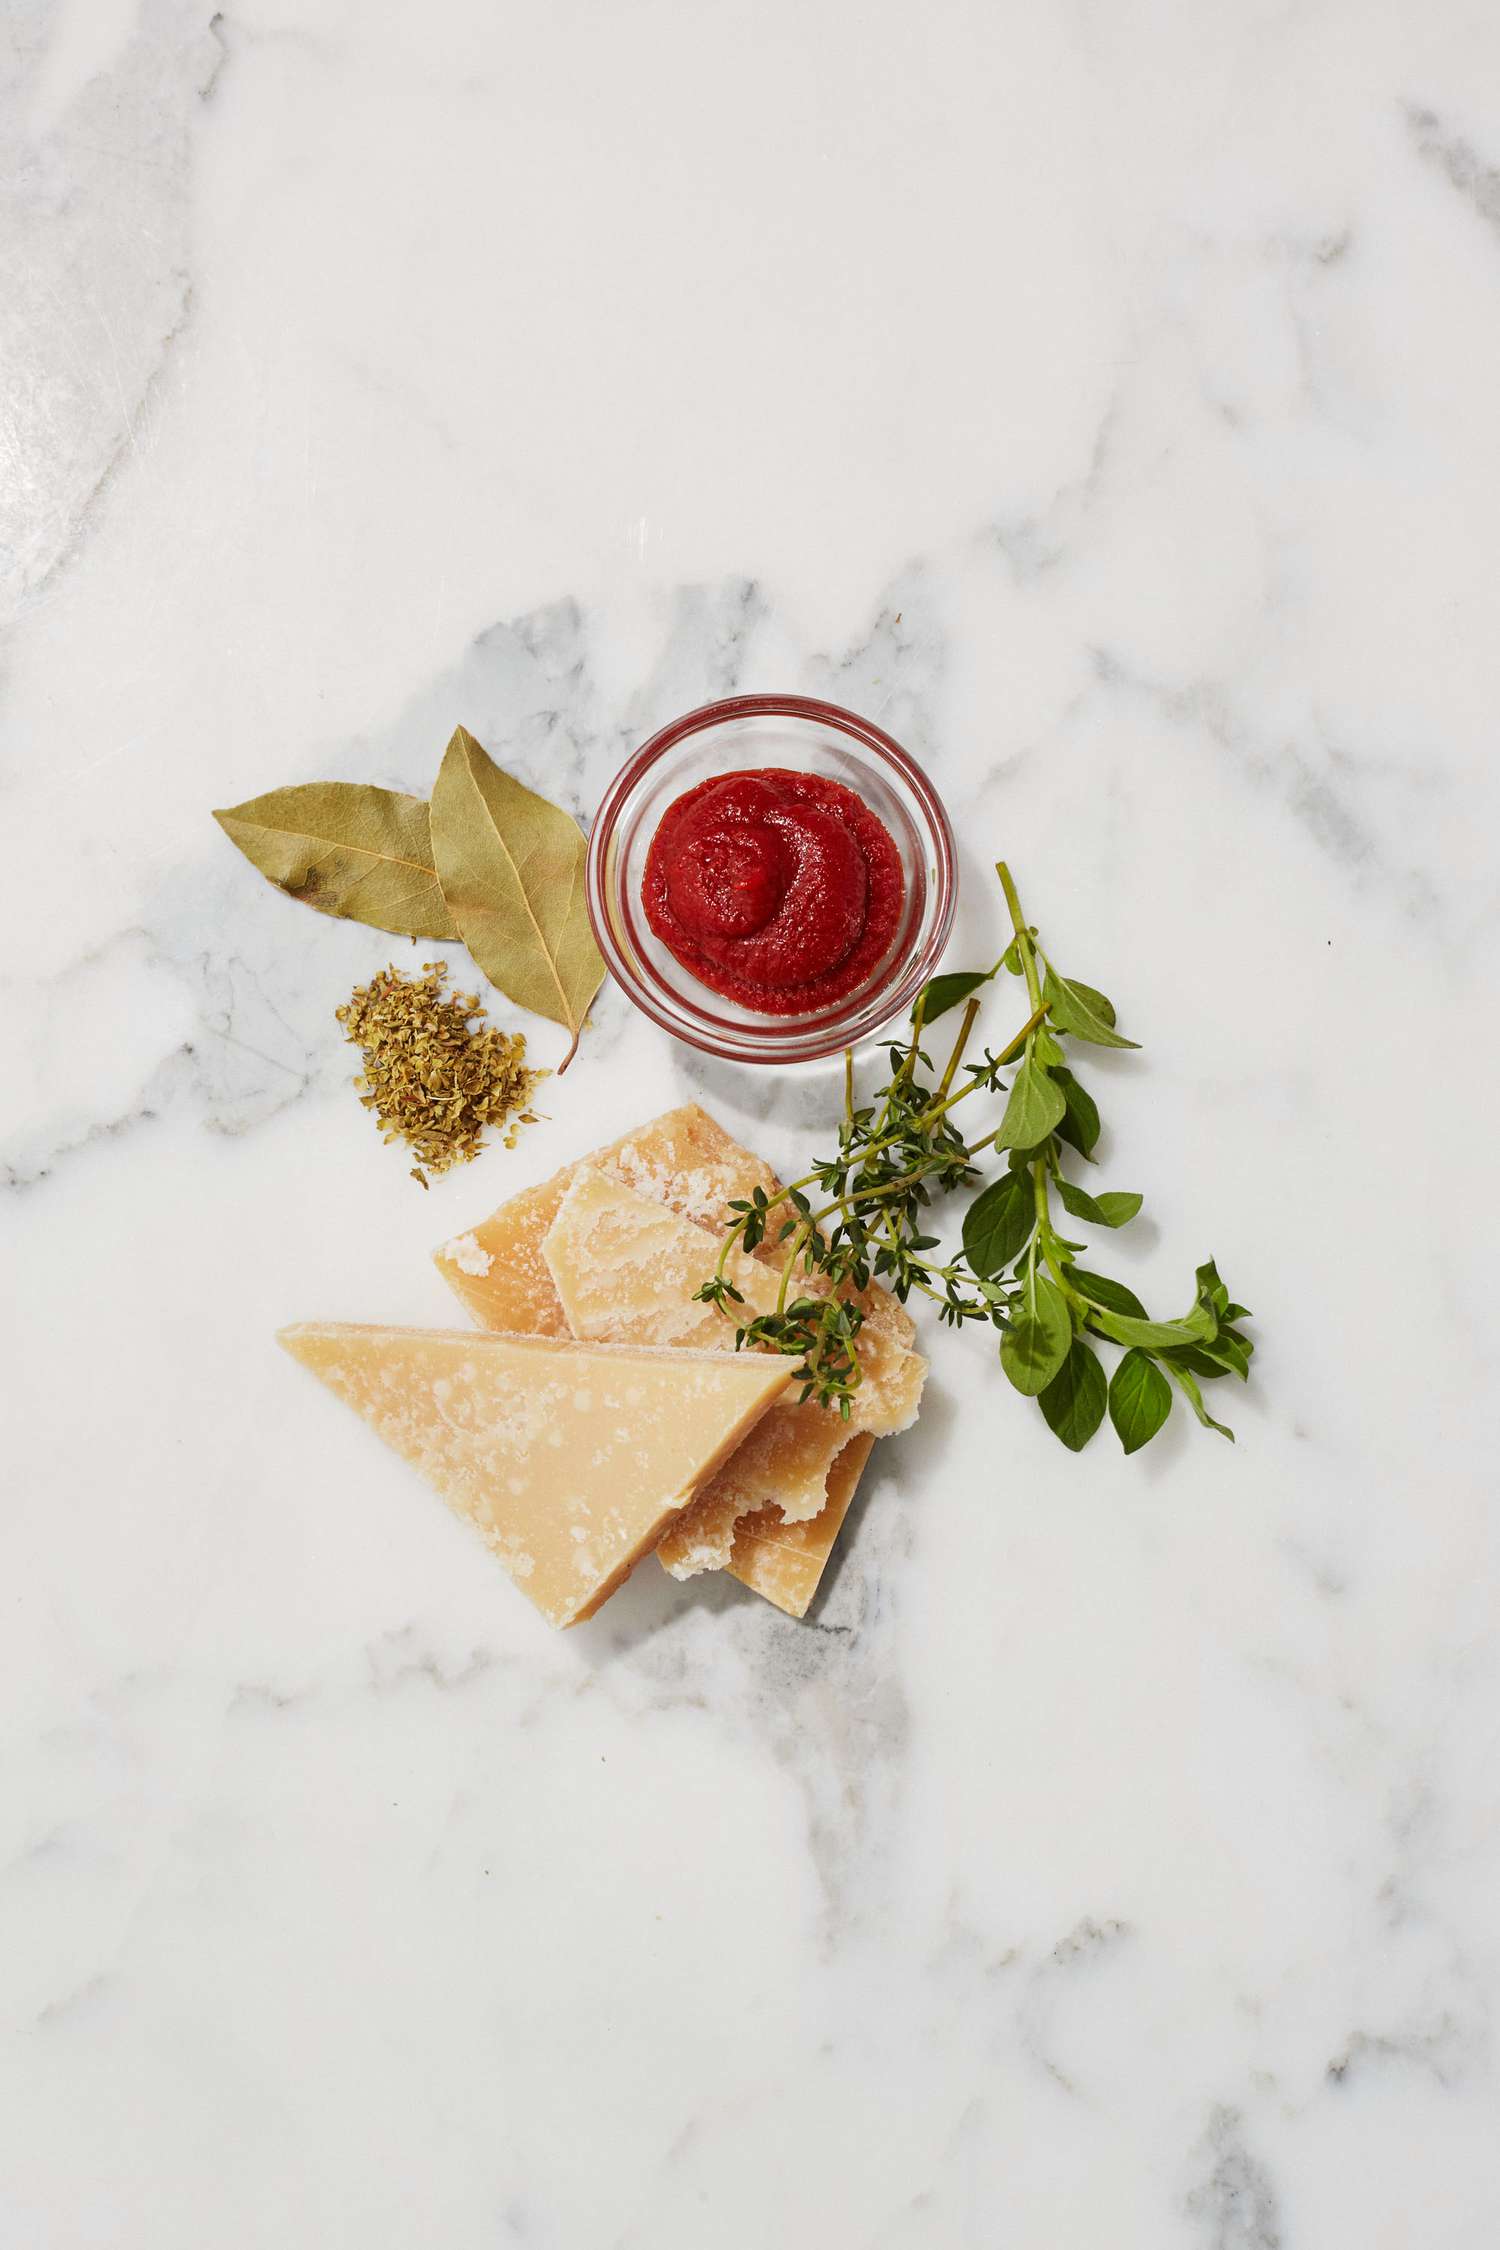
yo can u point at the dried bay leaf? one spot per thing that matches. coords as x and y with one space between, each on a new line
511 866
346 848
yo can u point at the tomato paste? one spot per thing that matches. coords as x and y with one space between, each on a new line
780 890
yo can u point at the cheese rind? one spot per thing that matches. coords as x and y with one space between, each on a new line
569 1459
784 1561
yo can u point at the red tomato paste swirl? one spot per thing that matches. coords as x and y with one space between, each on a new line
779 890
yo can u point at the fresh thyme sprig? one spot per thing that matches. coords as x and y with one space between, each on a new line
866 1215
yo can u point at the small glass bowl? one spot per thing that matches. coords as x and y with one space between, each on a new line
735 736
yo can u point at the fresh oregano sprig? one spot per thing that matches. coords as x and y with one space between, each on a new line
866 1215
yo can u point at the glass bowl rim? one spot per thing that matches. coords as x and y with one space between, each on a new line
811 1046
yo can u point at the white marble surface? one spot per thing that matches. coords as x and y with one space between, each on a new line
1104 399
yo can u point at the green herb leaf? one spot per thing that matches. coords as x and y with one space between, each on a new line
1034 1108
1195 1357
1185 1382
1103 1008
1100 1290
1074 1008
1224 1354
940 994
511 867
1213 1294
1156 1335
1140 1399
349 849
1079 1126
999 1223
1112 1209
1036 1343
1074 1400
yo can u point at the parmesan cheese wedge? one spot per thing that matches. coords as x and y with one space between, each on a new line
570 1460
685 1163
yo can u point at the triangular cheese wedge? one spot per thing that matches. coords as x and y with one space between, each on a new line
570 1459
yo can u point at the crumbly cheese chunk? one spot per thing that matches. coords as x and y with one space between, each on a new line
784 1561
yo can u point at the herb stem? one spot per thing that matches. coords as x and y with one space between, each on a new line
957 1056
1054 1264
1024 945
789 1263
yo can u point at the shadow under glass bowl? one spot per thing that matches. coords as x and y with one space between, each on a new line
739 735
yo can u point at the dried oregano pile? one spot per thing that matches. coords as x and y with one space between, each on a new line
431 1077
